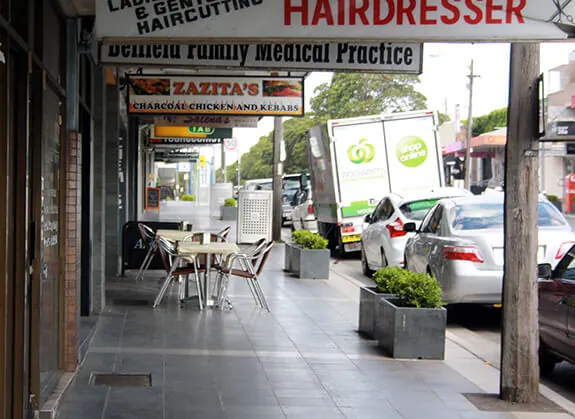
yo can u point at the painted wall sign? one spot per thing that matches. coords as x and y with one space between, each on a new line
382 57
208 121
215 95
323 20
185 141
191 132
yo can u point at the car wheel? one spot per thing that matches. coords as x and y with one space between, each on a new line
364 265
547 361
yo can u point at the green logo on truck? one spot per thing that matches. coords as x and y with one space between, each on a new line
411 151
363 152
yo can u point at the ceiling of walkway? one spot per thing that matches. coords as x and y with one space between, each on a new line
78 7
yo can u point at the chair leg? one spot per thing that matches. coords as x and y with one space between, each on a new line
255 295
145 263
260 293
163 290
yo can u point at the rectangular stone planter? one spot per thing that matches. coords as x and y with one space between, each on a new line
416 333
229 213
306 263
369 314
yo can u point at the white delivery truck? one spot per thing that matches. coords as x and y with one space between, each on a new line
354 162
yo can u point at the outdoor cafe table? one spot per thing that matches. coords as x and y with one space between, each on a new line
209 249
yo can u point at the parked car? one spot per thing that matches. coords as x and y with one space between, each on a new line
303 216
383 239
557 313
460 241
287 204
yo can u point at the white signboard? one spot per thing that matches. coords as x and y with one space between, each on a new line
230 144
322 20
361 166
412 153
382 57
207 121
217 95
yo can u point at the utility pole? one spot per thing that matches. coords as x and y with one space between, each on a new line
519 379
223 167
467 180
277 171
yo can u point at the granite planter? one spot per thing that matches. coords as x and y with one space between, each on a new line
229 213
307 263
407 332
368 310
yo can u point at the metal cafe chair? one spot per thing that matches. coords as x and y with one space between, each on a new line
251 267
149 237
171 260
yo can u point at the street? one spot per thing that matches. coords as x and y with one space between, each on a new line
476 328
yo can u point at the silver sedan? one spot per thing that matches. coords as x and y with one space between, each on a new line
460 242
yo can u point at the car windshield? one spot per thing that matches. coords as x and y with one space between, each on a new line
289 195
482 216
416 210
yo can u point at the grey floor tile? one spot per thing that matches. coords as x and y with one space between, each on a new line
177 412
374 412
315 412
254 412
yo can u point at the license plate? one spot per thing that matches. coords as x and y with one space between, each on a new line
499 257
352 247
351 238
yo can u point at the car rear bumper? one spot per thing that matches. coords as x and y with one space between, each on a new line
463 283
310 225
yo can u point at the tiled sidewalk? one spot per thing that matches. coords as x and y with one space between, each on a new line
303 360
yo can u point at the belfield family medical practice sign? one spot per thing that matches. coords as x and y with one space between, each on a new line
389 20
215 95
377 56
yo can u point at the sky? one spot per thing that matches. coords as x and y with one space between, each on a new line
444 82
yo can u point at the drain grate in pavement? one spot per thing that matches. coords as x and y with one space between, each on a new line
130 302
492 403
121 380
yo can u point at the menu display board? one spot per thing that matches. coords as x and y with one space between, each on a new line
153 198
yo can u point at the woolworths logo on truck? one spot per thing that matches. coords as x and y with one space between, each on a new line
411 151
360 153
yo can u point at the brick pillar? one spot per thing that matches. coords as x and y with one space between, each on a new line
72 261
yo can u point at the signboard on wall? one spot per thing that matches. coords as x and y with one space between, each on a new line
220 121
153 198
392 20
215 95
383 57
185 141
191 132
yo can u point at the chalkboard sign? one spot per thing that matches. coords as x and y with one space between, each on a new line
153 198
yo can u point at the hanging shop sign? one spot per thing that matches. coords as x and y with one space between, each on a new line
561 128
217 95
191 132
324 20
207 121
185 141
383 57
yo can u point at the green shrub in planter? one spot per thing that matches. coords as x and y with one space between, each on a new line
309 240
189 198
230 202
384 275
417 290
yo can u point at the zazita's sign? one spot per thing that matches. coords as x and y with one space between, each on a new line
335 20
215 95
214 121
383 57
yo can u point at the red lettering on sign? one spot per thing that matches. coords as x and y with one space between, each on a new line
289 9
407 11
478 13
355 11
425 9
377 18
489 9
455 13
516 10
322 11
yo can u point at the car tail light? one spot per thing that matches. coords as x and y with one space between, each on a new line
310 209
468 253
563 249
347 228
396 228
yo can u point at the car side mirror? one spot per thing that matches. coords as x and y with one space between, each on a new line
367 218
544 271
410 227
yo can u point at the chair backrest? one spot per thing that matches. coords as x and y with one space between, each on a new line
194 237
166 252
223 234
264 257
146 232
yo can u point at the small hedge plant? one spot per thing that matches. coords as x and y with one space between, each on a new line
554 199
309 240
230 202
189 198
412 289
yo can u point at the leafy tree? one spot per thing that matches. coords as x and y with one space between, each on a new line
489 122
354 94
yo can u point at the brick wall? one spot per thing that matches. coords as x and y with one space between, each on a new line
73 170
